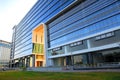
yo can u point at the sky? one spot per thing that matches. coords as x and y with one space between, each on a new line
11 13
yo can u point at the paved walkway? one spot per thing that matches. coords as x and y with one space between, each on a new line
59 69
99 70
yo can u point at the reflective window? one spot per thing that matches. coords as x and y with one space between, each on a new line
38 14
86 24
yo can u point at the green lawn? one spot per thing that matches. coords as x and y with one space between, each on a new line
15 75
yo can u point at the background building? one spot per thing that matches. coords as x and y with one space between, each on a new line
5 49
82 33
13 48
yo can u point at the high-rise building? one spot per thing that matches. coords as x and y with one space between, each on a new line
12 48
5 48
82 33
29 35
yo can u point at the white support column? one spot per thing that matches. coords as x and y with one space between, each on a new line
33 60
66 50
25 62
48 62
88 44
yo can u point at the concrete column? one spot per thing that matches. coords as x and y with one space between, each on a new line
14 64
28 61
33 60
18 63
48 62
23 62
88 44
66 50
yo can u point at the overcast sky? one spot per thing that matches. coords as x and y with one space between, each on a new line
11 13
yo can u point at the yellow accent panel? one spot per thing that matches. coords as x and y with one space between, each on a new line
38 35
38 45
39 58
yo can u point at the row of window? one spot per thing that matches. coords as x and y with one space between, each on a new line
24 28
20 38
105 16
54 8
63 20
86 9
24 53
27 47
71 12
24 25
28 15
5 45
31 16
92 29
22 45
23 39
82 23
110 37
28 43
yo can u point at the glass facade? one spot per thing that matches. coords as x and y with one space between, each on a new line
70 30
90 17
40 13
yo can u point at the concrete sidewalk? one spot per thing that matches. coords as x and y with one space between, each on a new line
99 70
70 70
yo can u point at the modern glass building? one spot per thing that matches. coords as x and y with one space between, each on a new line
28 44
83 33
5 49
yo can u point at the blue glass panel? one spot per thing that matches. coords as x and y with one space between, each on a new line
93 29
